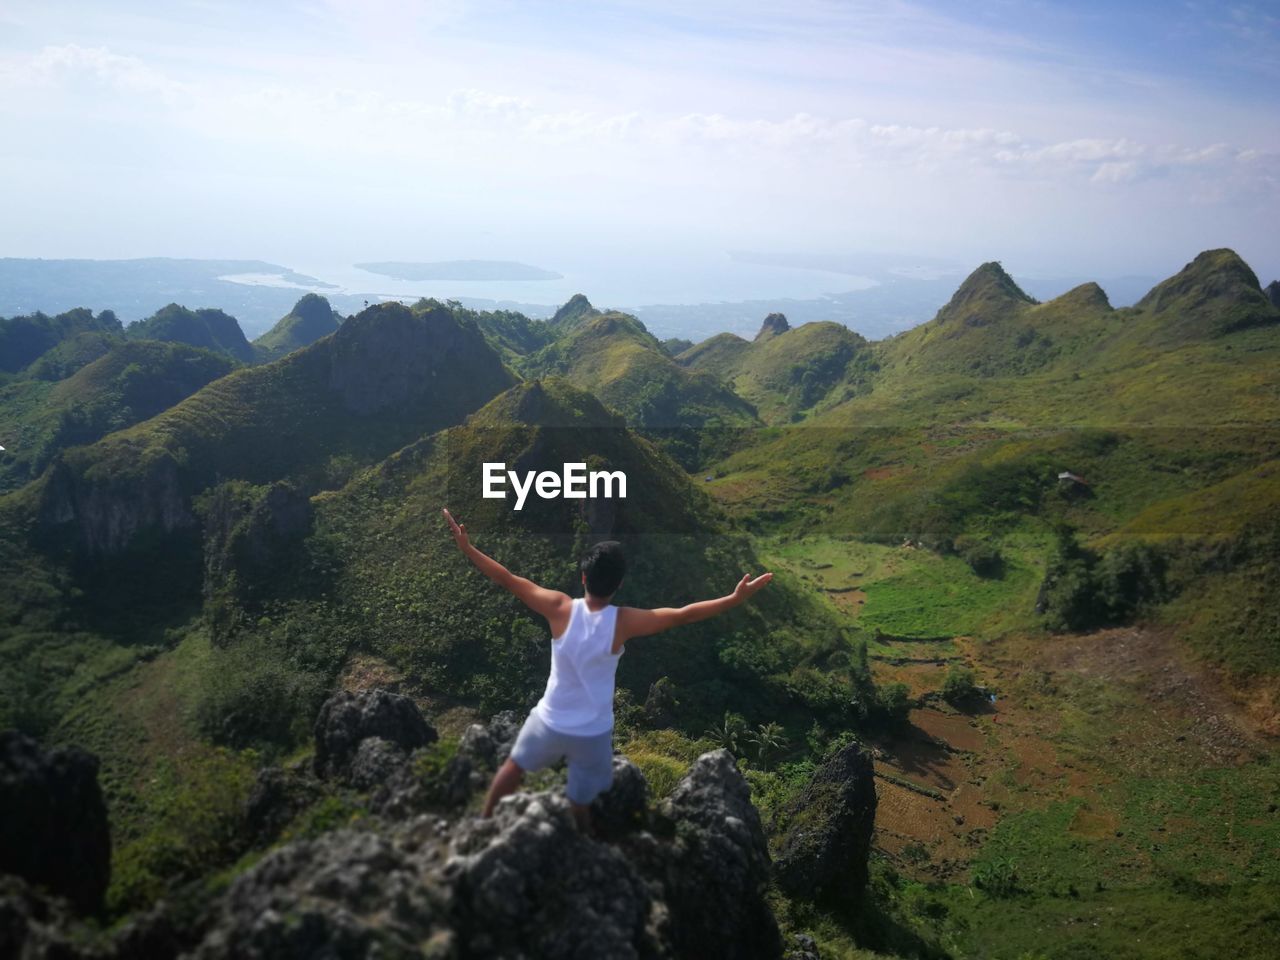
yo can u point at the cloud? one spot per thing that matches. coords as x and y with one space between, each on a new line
56 65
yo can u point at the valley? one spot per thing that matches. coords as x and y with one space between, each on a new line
1025 560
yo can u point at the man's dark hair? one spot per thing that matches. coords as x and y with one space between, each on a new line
604 566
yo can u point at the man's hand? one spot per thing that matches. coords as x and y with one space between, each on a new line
748 588
459 531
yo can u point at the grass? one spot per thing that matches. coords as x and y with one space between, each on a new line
912 592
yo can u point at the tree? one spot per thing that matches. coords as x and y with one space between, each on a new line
959 685
730 734
768 739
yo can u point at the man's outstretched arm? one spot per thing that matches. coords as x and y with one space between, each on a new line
634 622
551 604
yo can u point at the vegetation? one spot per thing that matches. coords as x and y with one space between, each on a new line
208 329
1076 504
25 339
310 319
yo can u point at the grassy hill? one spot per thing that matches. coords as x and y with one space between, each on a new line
310 319
387 376
788 373
399 590
206 328
25 339
132 382
614 357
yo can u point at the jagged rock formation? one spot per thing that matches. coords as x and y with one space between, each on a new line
823 854
774 325
525 883
349 721
1273 292
53 821
489 745
278 796
723 850
685 881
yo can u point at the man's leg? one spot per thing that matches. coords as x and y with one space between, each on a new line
505 782
582 817
590 774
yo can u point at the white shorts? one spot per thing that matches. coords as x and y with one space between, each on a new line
590 758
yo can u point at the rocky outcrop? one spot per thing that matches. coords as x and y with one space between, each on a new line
720 847
489 745
687 881
525 883
349 719
278 795
774 324
105 512
53 821
347 894
624 807
1272 291
823 854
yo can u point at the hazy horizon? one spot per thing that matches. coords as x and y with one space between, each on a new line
1091 140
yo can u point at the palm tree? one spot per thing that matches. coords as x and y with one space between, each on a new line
768 739
729 734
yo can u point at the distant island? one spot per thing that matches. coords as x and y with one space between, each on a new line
460 270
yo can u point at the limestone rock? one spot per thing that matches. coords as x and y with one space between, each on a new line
53 820
347 719
823 854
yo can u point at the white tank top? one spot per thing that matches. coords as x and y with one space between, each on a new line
579 696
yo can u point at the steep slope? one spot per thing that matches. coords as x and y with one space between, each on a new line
990 328
572 313
617 359
23 340
440 622
1215 294
786 372
310 319
132 382
206 328
386 377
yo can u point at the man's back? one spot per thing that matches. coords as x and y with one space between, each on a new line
579 695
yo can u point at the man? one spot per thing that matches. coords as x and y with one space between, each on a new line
574 718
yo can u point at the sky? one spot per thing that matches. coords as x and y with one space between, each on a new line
1089 138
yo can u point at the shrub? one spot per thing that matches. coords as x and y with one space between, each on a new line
1082 590
959 685
983 557
893 702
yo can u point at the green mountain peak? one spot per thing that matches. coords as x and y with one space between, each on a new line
987 295
574 311
775 324
1215 294
310 319
209 328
